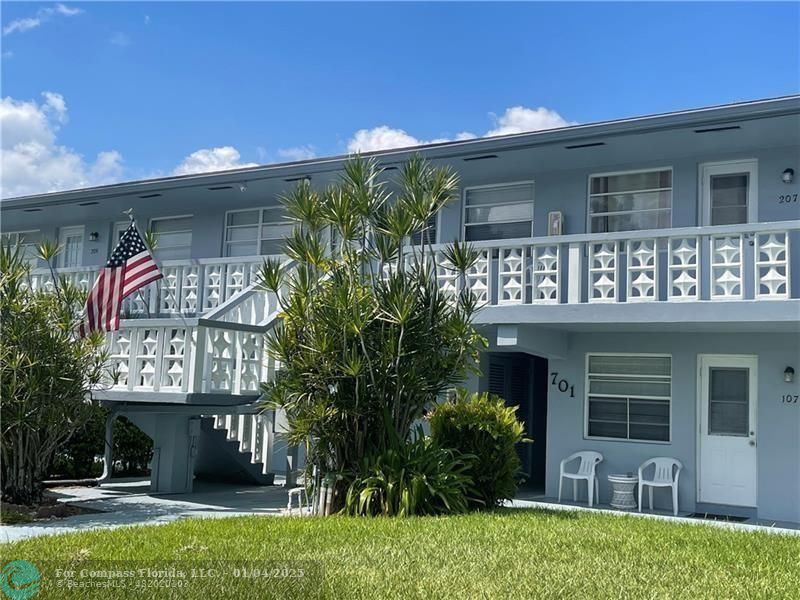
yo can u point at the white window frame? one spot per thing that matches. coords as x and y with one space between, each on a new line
260 223
65 232
117 229
464 223
33 261
191 230
727 167
630 172
586 394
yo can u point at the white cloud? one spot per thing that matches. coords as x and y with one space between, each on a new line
21 25
381 138
31 160
147 19
211 159
516 119
8 54
297 153
67 11
43 14
120 39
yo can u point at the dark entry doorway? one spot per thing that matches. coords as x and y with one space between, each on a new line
521 380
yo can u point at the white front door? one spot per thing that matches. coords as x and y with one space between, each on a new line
729 192
727 456
71 241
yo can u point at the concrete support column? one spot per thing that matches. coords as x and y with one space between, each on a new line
175 445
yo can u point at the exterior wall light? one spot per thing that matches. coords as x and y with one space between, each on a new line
94 236
243 187
788 375
788 176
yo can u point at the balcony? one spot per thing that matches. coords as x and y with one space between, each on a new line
686 265
189 287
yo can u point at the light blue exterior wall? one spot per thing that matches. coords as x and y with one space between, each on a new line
559 185
778 424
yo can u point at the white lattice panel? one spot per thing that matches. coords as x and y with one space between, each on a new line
603 273
683 265
726 267
446 276
511 275
147 342
545 267
222 359
213 286
477 277
173 363
642 270
772 266
119 349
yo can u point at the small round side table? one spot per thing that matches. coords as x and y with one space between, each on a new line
622 487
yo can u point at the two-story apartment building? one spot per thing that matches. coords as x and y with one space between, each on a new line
641 281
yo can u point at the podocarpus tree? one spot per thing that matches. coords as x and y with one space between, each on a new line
47 374
367 340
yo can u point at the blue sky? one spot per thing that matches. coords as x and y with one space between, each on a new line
114 91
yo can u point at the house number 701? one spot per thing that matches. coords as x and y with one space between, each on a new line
562 384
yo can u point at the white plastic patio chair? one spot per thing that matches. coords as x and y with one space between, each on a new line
586 472
665 474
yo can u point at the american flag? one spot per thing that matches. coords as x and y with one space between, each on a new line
130 267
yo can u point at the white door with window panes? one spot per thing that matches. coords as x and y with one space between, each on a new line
728 192
727 453
71 241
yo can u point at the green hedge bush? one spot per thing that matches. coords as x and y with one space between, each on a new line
417 478
484 428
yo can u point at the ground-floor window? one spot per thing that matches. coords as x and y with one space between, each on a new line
628 396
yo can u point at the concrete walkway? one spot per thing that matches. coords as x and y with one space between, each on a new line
542 502
128 502
125 503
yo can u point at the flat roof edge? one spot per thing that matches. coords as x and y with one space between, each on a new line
752 109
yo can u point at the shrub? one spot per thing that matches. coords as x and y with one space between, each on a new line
417 478
78 459
133 449
47 374
484 428
366 340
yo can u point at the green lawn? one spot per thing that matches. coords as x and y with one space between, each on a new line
507 554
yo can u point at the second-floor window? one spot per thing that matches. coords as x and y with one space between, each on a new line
27 240
173 237
256 231
630 201
498 212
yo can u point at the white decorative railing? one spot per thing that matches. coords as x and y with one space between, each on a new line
195 356
730 262
189 287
